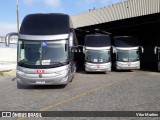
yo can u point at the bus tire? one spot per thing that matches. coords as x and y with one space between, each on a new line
19 86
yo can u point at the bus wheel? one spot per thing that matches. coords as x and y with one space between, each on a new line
72 78
63 86
19 86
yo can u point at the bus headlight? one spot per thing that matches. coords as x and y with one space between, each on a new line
118 64
89 65
63 72
64 79
20 73
137 64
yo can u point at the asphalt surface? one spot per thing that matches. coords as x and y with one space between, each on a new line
114 91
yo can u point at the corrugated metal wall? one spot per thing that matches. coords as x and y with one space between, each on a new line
123 10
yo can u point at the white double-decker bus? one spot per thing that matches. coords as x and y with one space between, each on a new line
45 54
97 50
157 52
127 53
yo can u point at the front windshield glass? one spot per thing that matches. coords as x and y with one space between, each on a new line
42 52
128 55
98 56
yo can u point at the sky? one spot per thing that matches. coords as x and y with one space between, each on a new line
71 7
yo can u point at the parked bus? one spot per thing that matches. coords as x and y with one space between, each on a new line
45 56
127 53
157 52
97 50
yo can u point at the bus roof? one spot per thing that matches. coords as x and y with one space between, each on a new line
97 40
45 24
125 41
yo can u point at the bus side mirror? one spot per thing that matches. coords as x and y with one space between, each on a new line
142 49
71 40
7 38
84 51
76 49
114 49
155 50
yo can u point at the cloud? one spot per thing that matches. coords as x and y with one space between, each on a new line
7 28
52 3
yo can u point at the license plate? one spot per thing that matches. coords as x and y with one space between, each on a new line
40 82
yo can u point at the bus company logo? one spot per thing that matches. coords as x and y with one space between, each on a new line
129 63
44 43
39 71
98 66
40 75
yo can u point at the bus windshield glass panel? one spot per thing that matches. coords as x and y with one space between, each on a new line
128 55
98 56
42 53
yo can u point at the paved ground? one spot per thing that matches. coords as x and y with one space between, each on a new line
115 91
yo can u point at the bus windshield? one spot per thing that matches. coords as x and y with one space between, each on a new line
128 55
98 56
42 53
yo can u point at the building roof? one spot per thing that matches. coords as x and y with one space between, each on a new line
119 11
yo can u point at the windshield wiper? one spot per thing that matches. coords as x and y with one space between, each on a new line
22 62
61 63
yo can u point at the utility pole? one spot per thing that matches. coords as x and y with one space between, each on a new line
17 15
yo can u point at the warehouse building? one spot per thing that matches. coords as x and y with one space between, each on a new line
139 18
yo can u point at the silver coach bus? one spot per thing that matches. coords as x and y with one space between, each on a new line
97 50
127 53
157 52
45 54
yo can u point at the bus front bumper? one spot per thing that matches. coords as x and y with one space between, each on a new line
51 78
92 67
127 65
63 80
